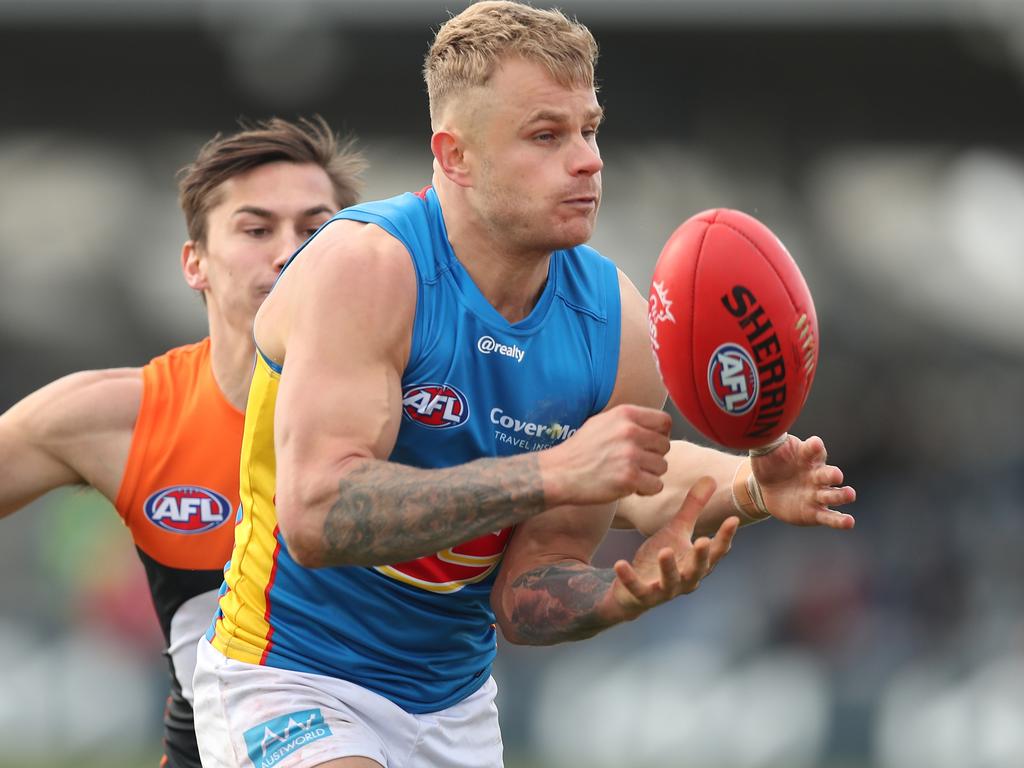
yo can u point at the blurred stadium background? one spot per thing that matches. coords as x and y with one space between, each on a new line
882 139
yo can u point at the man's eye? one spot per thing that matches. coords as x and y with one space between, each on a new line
257 231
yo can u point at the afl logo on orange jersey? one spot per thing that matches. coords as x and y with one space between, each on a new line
187 509
438 406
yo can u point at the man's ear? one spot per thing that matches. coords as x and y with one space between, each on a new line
449 150
193 266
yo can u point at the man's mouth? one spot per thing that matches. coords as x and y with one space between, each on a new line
582 201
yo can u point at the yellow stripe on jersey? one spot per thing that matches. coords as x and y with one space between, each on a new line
243 632
457 558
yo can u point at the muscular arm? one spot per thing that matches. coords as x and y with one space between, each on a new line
341 320
76 430
387 513
686 463
548 592
560 602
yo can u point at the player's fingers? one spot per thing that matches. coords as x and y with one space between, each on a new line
652 463
655 444
833 519
648 484
644 437
652 419
722 543
698 496
834 497
670 580
828 475
813 451
631 580
695 563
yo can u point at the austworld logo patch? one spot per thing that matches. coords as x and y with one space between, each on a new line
271 742
187 509
732 379
437 406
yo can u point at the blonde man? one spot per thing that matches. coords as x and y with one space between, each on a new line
451 396
161 441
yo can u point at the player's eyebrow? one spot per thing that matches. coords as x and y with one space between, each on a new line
254 210
596 115
555 116
264 213
316 210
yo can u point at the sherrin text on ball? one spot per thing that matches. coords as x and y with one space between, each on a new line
733 328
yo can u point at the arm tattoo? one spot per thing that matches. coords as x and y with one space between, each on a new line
389 513
558 602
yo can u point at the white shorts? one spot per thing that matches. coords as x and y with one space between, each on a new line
251 716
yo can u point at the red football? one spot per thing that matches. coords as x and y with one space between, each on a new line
733 328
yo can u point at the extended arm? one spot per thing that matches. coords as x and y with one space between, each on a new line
548 592
387 513
341 320
797 486
686 463
76 430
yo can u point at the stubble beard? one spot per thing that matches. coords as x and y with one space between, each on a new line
533 229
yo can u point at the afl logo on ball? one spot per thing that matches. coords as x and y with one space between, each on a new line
732 379
437 406
187 509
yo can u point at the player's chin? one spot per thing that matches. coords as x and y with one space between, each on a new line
572 232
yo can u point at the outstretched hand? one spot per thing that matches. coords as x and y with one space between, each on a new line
670 563
798 486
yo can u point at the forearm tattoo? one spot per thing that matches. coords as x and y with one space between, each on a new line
389 513
558 602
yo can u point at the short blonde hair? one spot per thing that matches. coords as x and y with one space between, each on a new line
468 48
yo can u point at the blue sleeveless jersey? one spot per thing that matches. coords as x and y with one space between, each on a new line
422 633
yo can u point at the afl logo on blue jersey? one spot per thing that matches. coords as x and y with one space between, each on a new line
732 379
187 509
437 406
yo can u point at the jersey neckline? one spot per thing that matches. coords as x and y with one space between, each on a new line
471 293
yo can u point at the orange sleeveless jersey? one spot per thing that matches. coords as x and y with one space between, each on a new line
180 485
178 498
